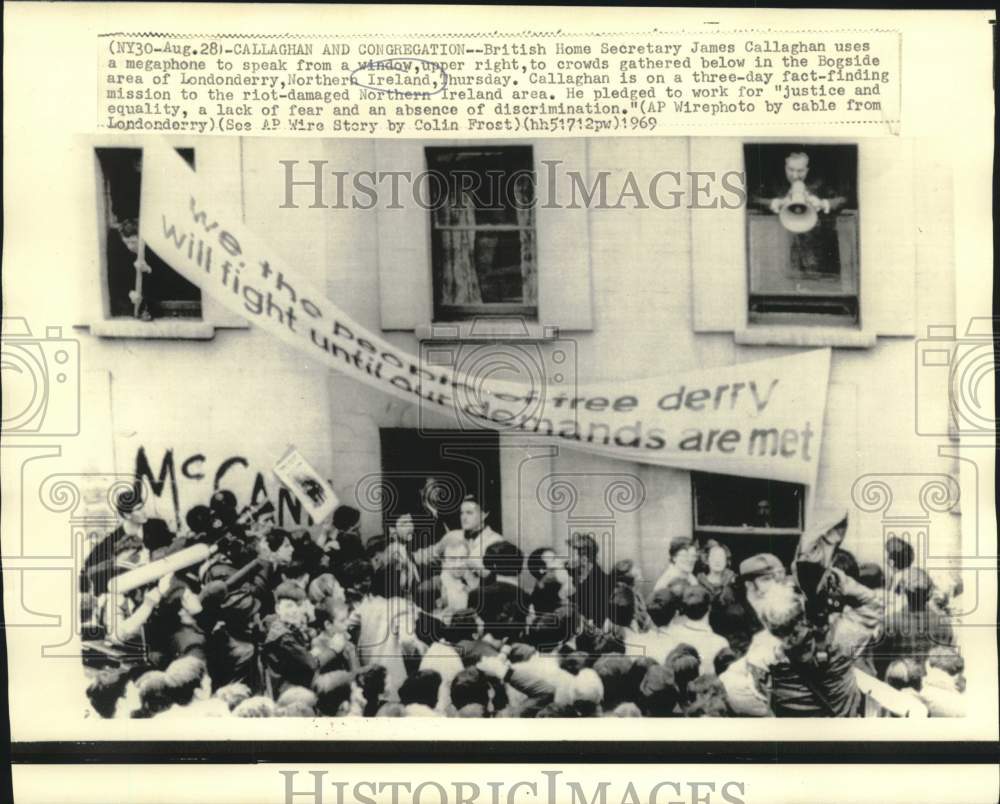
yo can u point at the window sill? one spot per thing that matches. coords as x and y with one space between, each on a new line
179 330
485 329
805 336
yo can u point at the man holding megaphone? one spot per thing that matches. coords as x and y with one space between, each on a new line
799 205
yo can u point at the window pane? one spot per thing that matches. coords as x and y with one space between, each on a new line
498 264
483 235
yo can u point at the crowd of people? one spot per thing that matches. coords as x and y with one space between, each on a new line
425 620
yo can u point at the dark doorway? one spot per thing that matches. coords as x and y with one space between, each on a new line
460 463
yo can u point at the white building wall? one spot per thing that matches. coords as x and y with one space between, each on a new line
245 394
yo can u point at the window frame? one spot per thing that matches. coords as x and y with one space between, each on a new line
805 317
886 182
564 273
217 157
750 530
451 313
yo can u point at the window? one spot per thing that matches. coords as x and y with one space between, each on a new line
483 237
748 515
802 233
457 463
140 285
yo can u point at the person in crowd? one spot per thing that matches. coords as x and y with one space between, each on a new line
447 590
808 678
584 694
758 574
443 657
367 689
912 627
125 539
620 678
332 644
155 694
257 706
540 562
471 694
553 587
662 609
684 665
107 690
905 675
386 620
718 577
707 697
899 557
343 541
190 689
430 525
683 557
822 543
942 686
475 532
591 584
286 652
625 574
402 529
691 627
419 693
333 692
621 621
277 624
277 548
499 595
657 693
232 695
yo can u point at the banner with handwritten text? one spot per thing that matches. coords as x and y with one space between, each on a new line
759 419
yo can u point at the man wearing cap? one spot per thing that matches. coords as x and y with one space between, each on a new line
592 589
758 573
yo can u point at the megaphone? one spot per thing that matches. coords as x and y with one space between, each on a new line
797 215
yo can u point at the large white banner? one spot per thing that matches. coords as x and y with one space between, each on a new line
761 419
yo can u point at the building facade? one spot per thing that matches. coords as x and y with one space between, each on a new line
642 258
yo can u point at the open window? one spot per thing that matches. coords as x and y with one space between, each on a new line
748 515
129 292
140 285
483 239
802 233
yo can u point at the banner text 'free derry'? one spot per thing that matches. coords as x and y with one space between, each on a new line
761 419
